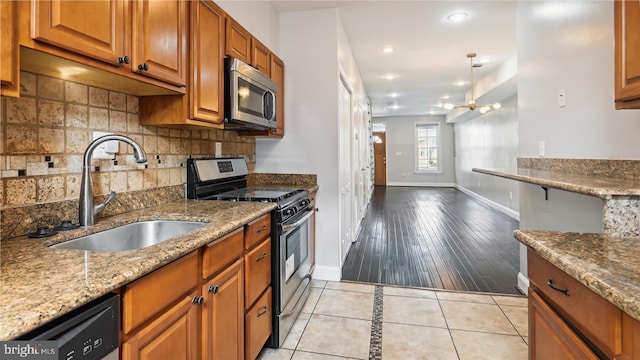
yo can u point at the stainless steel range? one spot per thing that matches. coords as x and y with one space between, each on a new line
225 179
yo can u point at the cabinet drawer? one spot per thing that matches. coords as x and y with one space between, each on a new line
592 315
258 325
148 295
219 253
257 231
257 265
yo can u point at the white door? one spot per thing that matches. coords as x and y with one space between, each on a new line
345 150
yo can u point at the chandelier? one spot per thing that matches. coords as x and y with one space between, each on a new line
471 105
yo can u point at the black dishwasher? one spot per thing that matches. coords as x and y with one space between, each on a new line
87 333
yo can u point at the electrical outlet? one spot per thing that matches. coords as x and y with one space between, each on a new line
541 148
510 195
106 150
218 149
562 98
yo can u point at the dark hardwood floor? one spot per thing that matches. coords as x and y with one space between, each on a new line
434 238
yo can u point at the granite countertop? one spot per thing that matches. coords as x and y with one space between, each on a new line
600 186
607 265
40 283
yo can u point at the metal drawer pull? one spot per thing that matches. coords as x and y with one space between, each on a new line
264 311
213 289
197 300
263 228
264 256
550 283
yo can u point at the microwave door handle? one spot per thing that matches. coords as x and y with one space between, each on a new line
286 228
268 95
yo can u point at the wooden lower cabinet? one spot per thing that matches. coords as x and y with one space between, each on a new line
223 315
172 336
550 337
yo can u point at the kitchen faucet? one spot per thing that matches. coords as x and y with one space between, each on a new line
88 209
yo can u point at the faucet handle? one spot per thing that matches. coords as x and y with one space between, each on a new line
99 207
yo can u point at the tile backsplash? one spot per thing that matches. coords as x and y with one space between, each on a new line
44 133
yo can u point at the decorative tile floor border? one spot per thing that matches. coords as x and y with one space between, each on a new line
375 344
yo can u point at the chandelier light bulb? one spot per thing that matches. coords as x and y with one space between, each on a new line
497 106
484 109
448 106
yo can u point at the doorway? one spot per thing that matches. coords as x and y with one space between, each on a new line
380 158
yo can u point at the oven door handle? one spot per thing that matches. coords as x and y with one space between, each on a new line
287 228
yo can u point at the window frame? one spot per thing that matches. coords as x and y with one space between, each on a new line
416 149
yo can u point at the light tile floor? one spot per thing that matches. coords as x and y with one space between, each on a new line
336 323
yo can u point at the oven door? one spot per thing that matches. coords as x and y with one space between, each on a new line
295 255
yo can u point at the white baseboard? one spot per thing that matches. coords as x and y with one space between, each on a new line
421 184
523 283
492 204
329 273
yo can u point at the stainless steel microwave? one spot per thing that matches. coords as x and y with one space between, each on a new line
250 97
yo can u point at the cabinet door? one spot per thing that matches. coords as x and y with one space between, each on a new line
277 75
207 60
91 28
260 57
172 336
238 41
159 40
550 337
9 61
223 315
627 53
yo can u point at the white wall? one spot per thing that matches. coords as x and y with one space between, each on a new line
568 44
315 51
489 141
260 18
401 152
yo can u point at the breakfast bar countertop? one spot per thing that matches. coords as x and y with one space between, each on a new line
40 283
604 264
601 186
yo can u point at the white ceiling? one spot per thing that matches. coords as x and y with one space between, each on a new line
430 52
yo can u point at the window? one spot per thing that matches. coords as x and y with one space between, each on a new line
427 144
379 127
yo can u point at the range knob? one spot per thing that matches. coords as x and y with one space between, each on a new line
289 211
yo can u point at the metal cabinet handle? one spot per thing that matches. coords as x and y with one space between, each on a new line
263 311
143 67
564 291
264 256
123 60
263 228
213 289
198 300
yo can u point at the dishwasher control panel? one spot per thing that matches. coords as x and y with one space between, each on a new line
90 332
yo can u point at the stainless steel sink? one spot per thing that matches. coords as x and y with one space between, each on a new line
132 236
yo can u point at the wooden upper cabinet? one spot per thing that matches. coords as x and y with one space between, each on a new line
207 61
277 75
627 54
260 57
159 40
238 41
9 61
91 28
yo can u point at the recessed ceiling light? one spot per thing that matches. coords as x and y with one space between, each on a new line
457 16
389 76
460 83
387 49
393 95
446 97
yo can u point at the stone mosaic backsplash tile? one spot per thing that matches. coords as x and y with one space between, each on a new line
44 133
